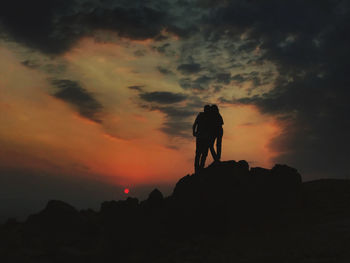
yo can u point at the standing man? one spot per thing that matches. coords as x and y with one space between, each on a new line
216 132
201 131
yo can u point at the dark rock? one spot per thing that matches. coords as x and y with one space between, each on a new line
155 198
287 174
59 224
119 208
243 165
256 211
57 215
331 195
258 171
11 222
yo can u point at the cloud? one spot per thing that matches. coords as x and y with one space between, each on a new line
176 123
199 84
164 70
30 64
140 53
136 87
72 93
177 129
33 23
140 22
54 26
239 78
257 78
162 48
223 78
163 97
307 44
189 68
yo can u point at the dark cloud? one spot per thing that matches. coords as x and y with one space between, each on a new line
239 78
189 68
177 129
30 64
161 37
308 43
258 78
203 80
140 53
217 88
140 22
72 93
164 70
186 83
54 26
203 83
163 97
163 48
199 84
50 68
175 113
32 23
223 78
176 123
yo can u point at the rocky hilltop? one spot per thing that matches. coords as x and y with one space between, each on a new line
228 212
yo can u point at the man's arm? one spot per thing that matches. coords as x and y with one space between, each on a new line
221 120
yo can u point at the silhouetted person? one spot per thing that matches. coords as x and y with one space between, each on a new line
216 132
201 131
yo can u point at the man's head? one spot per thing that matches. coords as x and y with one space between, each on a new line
214 108
206 108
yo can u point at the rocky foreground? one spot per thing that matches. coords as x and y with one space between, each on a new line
227 213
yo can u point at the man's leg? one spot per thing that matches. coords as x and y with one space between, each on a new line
212 150
204 155
218 146
197 156
196 162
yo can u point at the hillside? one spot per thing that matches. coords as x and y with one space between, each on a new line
227 213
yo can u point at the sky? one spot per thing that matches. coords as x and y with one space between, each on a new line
98 96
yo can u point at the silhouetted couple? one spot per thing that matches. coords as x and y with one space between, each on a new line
207 128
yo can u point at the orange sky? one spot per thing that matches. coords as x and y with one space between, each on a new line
42 133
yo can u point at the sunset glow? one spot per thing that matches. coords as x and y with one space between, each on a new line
127 145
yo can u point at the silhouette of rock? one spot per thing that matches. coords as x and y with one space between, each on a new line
11 223
59 224
259 211
327 195
154 200
57 215
155 196
113 213
121 206
229 191
258 171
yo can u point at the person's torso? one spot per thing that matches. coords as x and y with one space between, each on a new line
216 123
203 129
